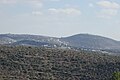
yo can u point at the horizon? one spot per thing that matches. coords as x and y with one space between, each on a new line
61 18
60 36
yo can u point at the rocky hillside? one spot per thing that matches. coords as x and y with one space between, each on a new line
35 63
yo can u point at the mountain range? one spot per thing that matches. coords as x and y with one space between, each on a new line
83 41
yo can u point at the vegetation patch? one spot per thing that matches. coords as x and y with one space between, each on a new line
38 63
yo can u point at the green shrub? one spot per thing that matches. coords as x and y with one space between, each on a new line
116 76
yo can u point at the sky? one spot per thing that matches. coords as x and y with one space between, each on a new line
61 18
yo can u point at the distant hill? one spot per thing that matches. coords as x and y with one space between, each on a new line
85 41
32 43
24 39
91 41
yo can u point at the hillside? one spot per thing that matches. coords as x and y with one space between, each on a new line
38 63
17 39
79 41
91 41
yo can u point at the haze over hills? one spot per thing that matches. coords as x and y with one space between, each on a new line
86 41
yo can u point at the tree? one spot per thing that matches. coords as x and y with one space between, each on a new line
116 76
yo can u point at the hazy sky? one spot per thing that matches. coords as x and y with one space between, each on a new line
61 17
